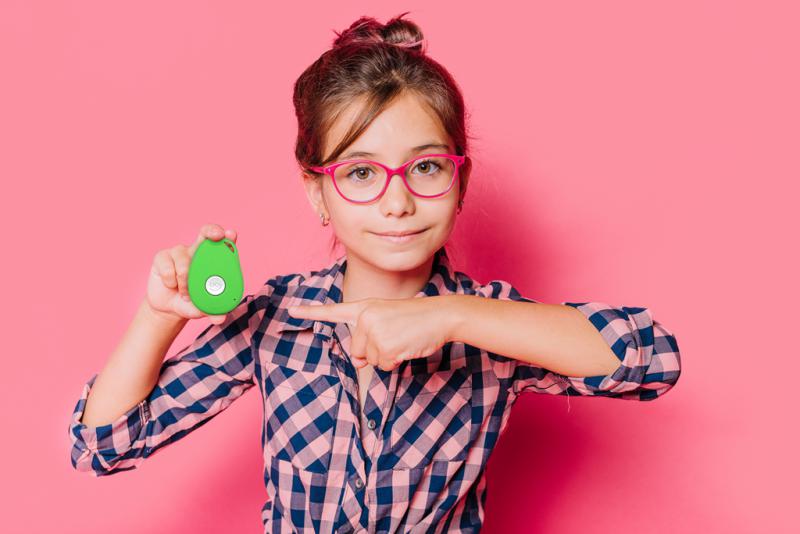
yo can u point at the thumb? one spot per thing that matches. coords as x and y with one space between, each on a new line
218 319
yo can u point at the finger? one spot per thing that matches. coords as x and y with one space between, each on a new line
344 312
182 260
208 231
373 356
358 343
165 268
230 233
217 319
188 309
403 357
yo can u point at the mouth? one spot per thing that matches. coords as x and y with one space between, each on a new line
400 237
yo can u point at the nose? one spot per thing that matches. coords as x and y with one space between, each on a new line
397 196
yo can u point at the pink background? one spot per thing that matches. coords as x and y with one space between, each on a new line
636 153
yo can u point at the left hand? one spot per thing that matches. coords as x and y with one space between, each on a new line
385 331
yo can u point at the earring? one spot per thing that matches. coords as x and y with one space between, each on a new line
322 219
460 204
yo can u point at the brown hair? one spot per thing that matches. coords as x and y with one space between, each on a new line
377 63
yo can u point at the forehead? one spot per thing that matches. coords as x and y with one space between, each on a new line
404 123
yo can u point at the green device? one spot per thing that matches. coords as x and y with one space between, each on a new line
215 280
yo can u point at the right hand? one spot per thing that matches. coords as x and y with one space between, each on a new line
167 289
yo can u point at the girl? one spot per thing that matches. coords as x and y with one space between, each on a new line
386 376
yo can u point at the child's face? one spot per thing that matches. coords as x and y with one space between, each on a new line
404 124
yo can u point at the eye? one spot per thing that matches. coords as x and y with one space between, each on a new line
426 164
360 175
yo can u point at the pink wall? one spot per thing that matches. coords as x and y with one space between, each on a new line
628 152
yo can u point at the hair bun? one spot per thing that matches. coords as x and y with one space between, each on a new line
396 32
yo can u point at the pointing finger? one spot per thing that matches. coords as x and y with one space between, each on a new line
344 312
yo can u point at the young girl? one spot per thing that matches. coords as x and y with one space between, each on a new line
386 376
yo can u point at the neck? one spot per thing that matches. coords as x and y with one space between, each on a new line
364 280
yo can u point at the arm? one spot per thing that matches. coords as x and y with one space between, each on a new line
179 394
132 370
571 348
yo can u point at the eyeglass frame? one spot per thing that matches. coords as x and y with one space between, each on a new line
390 172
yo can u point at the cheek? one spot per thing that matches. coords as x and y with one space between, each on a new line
349 223
446 213
345 217
349 219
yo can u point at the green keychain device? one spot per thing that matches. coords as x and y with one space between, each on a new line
215 280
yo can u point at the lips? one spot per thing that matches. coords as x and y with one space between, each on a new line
401 238
399 233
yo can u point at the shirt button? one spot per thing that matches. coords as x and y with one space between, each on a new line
359 483
371 424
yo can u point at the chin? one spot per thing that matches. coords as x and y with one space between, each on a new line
405 257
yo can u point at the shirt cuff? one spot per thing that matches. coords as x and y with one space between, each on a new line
643 372
111 439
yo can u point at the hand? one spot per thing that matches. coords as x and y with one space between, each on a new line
167 287
385 331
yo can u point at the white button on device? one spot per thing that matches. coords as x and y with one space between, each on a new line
215 285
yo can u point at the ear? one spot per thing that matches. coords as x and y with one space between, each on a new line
313 186
463 173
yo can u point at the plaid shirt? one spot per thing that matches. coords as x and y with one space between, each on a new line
430 424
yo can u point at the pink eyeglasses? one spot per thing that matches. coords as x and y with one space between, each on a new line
362 180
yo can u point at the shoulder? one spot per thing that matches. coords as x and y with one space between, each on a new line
493 289
280 284
278 290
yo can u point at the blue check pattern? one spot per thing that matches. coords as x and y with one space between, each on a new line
413 458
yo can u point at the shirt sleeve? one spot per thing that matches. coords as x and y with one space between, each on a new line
193 386
649 359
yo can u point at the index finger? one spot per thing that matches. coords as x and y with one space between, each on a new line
343 312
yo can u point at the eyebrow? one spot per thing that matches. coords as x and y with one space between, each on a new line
359 154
